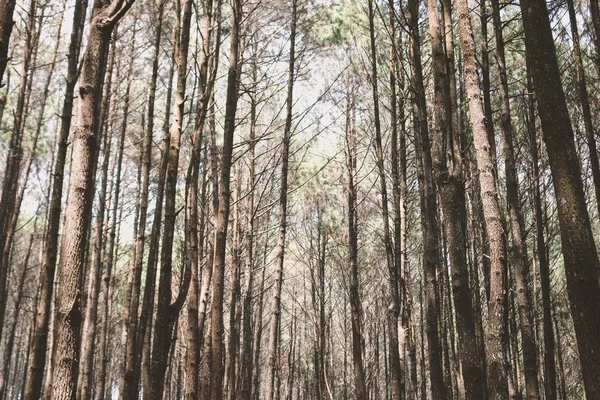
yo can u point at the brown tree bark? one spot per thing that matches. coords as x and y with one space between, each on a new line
112 245
247 370
429 225
105 15
548 332
355 302
7 9
579 250
275 320
131 320
449 177
94 279
38 344
167 312
8 200
393 308
142 361
496 369
9 349
584 101
218 274
192 236
520 259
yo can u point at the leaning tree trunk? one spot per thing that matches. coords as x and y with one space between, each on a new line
105 15
582 266
497 388
520 259
283 193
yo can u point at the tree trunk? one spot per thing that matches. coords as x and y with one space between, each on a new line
167 312
520 259
105 16
37 353
246 356
449 176
496 369
130 319
218 274
8 200
191 220
548 333
585 102
7 9
579 250
274 324
393 308
355 303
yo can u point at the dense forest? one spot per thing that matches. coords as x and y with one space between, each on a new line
299 199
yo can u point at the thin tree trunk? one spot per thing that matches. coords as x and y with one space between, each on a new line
112 245
393 308
246 356
167 312
9 349
218 274
520 259
132 300
192 240
274 324
10 182
548 333
585 102
355 302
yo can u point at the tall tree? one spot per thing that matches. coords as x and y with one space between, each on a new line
584 101
496 369
519 259
167 313
104 17
37 353
192 225
275 319
579 250
393 309
354 289
10 182
224 196
449 176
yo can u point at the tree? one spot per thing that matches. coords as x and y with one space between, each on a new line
496 368
578 247
275 318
